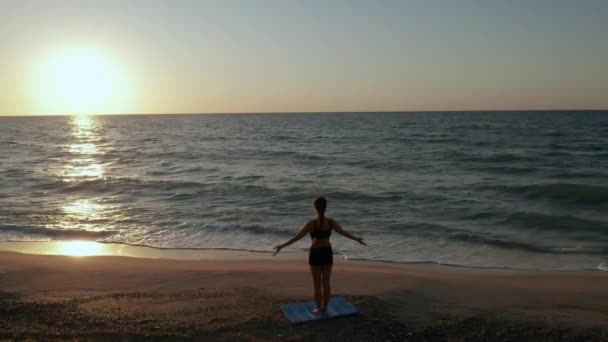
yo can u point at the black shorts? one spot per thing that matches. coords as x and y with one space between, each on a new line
321 256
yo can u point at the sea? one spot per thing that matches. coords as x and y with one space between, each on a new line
524 190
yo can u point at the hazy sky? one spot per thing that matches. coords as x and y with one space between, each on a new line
275 56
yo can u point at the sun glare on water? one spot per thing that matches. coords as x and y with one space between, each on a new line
80 248
81 81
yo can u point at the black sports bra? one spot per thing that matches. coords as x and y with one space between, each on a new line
321 234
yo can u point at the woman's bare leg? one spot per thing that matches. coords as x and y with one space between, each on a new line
316 279
326 278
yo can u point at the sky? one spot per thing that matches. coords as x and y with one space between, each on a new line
67 57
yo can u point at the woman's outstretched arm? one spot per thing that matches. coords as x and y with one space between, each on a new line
344 233
305 230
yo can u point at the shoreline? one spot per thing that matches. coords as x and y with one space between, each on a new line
101 248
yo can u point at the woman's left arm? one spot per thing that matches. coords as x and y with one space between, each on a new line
305 230
344 233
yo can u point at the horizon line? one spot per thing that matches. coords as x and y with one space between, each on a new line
329 112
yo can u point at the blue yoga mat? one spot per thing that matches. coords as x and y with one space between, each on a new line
302 312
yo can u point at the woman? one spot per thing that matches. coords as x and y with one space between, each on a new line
320 258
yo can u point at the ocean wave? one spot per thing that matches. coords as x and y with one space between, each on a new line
584 148
424 228
477 239
504 169
298 155
563 191
15 172
184 190
177 170
126 184
340 195
590 152
253 229
442 232
388 165
59 234
439 140
281 137
489 158
563 223
552 133
600 267
576 174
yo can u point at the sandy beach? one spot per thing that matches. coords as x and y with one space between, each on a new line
182 170
108 297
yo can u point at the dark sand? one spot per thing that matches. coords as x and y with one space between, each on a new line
59 297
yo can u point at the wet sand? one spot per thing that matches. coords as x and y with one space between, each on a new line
109 297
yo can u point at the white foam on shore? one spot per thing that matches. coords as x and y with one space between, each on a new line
91 248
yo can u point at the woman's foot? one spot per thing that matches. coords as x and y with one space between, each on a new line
318 312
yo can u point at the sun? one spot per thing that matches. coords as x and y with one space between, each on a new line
81 80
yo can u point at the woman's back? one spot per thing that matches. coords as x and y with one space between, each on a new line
321 232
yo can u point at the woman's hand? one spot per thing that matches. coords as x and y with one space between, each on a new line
360 240
278 249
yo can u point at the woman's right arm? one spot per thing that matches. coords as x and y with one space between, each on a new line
346 234
305 230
